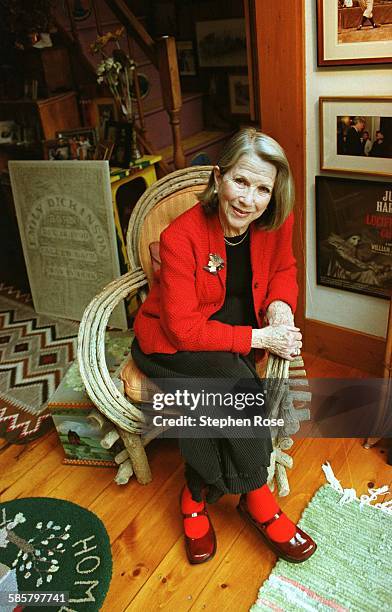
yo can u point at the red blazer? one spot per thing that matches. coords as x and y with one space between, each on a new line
175 315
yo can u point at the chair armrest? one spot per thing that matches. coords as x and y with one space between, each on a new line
277 367
91 353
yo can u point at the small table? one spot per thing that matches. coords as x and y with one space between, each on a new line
124 195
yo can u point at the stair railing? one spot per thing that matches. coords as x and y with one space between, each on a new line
163 56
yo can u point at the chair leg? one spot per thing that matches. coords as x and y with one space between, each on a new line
137 455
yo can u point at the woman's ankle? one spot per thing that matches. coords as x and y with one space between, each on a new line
263 507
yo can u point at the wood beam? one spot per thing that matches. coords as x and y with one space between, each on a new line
280 40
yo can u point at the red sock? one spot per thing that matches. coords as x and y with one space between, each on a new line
262 506
197 526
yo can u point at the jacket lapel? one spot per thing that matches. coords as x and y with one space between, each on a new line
217 243
258 242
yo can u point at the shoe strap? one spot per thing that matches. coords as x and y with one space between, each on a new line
195 514
272 519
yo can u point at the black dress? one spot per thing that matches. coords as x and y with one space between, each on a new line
222 465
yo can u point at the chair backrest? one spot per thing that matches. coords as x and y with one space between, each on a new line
156 209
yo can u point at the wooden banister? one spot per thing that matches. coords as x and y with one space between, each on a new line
171 90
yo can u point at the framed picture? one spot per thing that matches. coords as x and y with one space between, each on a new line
354 32
186 58
221 43
103 110
56 150
356 135
354 235
239 94
104 150
120 133
81 142
8 132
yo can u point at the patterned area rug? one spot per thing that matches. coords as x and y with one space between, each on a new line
51 545
350 569
35 351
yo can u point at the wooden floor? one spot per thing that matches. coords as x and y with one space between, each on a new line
150 570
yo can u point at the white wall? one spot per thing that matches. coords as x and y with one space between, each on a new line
351 310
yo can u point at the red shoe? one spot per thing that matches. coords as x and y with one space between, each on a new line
202 549
298 549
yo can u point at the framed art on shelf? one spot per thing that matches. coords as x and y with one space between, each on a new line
81 142
120 133
239 94
221 43
356 134
56 150
354 235
354 32
103 110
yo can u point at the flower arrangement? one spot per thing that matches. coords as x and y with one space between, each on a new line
116 71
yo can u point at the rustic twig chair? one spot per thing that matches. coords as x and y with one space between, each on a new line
157 207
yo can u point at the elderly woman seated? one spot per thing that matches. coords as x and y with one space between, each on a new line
227 268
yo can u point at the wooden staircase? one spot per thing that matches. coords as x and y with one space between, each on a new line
170 123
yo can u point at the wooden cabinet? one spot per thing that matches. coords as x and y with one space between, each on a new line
41 119
37 120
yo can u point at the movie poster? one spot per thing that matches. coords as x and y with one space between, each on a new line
354 235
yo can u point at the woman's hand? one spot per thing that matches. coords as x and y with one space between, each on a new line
279 313
282 340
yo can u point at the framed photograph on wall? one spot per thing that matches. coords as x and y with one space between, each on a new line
239 94
356 134
186 58
221 43
354 32
354 235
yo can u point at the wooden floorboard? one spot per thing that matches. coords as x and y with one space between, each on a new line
150 570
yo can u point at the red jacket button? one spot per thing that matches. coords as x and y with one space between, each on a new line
256 285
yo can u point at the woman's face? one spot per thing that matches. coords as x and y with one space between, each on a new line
244 193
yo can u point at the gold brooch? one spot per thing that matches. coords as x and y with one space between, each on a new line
215 263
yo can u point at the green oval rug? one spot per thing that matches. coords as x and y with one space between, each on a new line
51 545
